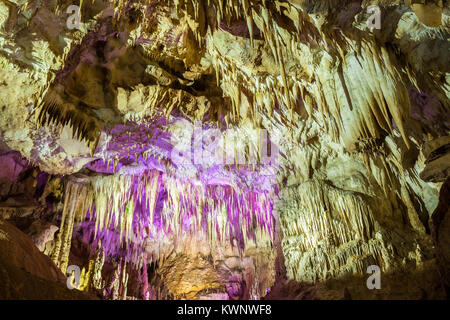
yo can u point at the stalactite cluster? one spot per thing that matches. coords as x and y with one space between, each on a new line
141 135
123 210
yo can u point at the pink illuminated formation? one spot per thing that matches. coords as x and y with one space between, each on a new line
129 209
145 200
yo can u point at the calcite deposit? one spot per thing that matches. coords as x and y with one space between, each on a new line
224 149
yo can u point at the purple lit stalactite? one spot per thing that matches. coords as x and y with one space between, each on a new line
146 198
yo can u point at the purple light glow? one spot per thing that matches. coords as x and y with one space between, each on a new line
150 196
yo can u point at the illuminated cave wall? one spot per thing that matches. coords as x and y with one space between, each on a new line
239 149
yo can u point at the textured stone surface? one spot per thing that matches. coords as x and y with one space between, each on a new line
19 250
43 235
26 273
440 234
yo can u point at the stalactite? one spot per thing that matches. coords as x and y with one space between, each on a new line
122 209
76 203
226 214
53 111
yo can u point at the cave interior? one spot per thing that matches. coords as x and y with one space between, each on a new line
224 149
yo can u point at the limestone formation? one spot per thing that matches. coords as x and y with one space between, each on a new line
229 149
